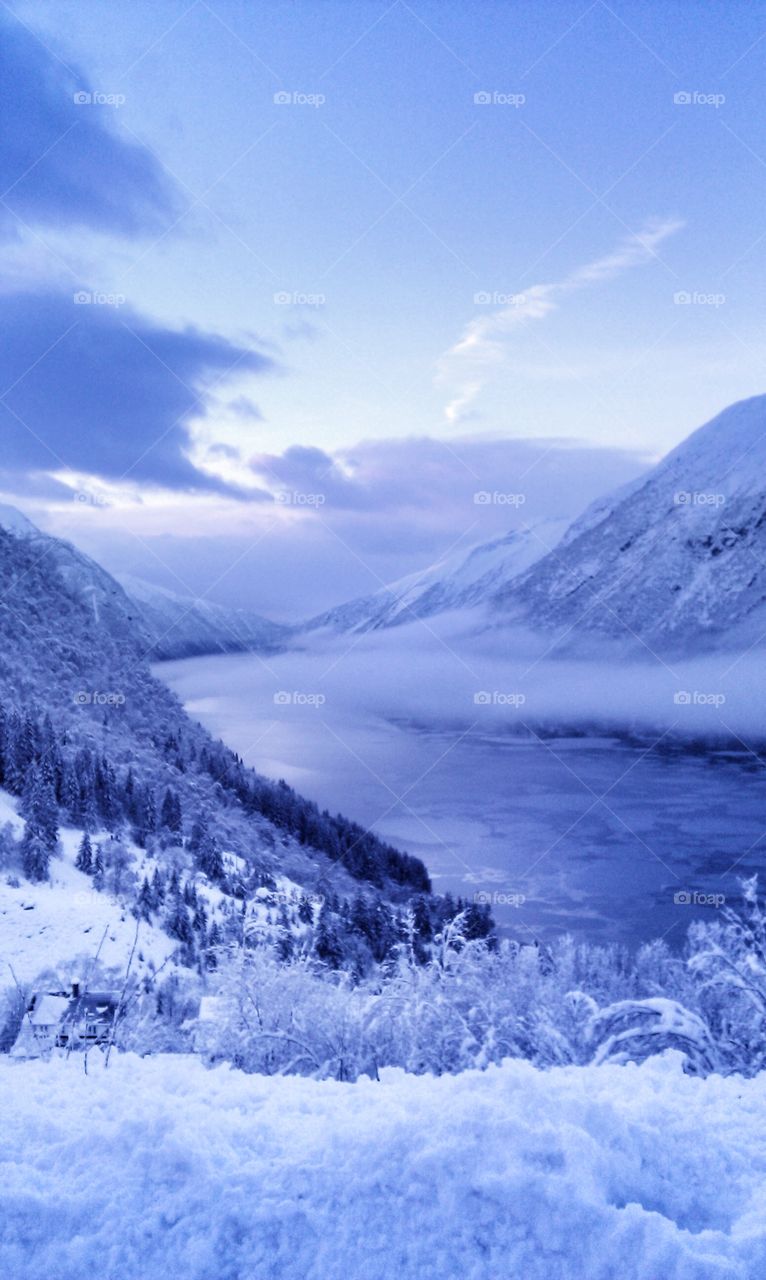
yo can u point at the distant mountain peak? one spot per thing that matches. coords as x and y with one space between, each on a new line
14 521
180 626
463 580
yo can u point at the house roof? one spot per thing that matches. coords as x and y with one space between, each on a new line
98 1005
210 1008
48 1010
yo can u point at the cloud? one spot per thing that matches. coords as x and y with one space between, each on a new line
64 162
101 390
391 507
420 475
88 386
243 407
431 675
466 367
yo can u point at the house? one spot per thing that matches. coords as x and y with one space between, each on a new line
205 1028
66 1020
89 1018
41 1024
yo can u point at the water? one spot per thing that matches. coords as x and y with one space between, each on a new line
592 836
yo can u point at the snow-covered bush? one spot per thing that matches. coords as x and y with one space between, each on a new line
472 1005
728 962
272 1017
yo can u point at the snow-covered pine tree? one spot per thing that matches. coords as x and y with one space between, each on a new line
208 857
84 860
36 857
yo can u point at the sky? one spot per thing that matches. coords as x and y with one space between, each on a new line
285 285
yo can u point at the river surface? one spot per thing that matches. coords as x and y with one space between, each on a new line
597 837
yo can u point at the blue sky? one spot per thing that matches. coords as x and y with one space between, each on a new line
286 291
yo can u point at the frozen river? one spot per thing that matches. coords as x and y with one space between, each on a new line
594 836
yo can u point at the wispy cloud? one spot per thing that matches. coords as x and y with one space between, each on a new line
466 367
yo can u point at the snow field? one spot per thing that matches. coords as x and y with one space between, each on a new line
45 925
159 1167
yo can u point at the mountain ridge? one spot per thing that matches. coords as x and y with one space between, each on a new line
679 559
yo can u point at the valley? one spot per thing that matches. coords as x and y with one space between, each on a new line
608 839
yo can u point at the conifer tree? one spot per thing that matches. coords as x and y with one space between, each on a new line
209 857
39 807
84 860
98 868
144 901
36 858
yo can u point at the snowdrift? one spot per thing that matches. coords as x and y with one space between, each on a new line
159 1167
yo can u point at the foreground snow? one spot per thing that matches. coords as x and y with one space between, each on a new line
158 1167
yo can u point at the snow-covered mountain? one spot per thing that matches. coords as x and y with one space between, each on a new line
182 627
461 581
63 600
678 558
14 522
91 740
168 625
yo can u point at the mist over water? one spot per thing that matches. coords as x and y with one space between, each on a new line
472 754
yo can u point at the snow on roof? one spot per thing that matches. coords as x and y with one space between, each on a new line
92 1004
210 1008
49 1010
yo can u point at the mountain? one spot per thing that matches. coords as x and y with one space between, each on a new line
181 627
15 522
167 625
679 558
58 608
188 837
463 580
676 558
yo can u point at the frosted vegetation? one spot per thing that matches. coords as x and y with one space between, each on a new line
268 998
275 979
473 1003
302 943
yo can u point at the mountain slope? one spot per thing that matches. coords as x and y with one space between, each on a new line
181 627
166 624
90 739
679 559
461 581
